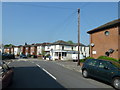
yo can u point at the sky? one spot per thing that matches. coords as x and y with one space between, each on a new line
38 22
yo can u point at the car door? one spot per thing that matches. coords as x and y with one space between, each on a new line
104 70
92 67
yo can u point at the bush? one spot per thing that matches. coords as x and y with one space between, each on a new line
119 59
89 58
29 55
47 55
107 58
83 60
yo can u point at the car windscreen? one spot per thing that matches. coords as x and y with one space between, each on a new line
116 64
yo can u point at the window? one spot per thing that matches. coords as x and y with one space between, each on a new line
48 47
56 53
72 48
92 63
102 64
62 47
64 54
107 33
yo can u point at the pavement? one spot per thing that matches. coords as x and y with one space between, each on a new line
69 65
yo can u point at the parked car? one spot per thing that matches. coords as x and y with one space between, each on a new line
23 56
8 56
6 74
34 56
104 70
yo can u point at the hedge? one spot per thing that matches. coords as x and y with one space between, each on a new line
108 58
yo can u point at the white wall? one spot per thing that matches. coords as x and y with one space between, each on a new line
84 50
67 47
59 47
39 50
47 48
16 50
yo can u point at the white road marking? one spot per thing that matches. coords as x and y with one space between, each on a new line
38 65
49 74
8 62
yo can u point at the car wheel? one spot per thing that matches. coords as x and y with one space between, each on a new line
85 73
116 83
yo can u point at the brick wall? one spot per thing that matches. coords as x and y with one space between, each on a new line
104 42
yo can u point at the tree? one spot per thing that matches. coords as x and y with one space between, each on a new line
70 42
43 52
8 45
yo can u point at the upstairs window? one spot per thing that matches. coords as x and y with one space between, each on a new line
62 47
107 33
72 48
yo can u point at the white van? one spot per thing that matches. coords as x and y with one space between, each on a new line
75 57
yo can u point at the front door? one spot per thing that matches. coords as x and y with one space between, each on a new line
92 67
59 56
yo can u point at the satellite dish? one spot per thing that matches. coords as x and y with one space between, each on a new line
92 44
110 50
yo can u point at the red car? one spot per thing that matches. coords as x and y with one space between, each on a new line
7 75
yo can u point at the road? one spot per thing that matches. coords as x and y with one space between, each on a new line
48 74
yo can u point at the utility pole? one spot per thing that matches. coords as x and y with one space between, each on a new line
78 37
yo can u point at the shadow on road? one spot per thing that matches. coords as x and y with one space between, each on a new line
32 77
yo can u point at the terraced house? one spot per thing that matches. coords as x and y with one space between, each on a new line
105 40
59 50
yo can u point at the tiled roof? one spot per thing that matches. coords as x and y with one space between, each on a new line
61 42
105 26
42 44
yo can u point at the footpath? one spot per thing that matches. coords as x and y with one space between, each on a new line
70 65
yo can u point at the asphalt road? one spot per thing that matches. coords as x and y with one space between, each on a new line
48 74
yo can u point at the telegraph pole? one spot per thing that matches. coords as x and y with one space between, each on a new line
78 36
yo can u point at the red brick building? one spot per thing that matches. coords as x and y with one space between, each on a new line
27 49
22 49
33 49
7 50
105 40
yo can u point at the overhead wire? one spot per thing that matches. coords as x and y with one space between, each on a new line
36 5
63 24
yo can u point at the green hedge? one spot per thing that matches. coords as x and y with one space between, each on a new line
101 57
82 60
89 58
107 58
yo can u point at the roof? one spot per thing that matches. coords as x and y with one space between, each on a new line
42 44
105 26
61 42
